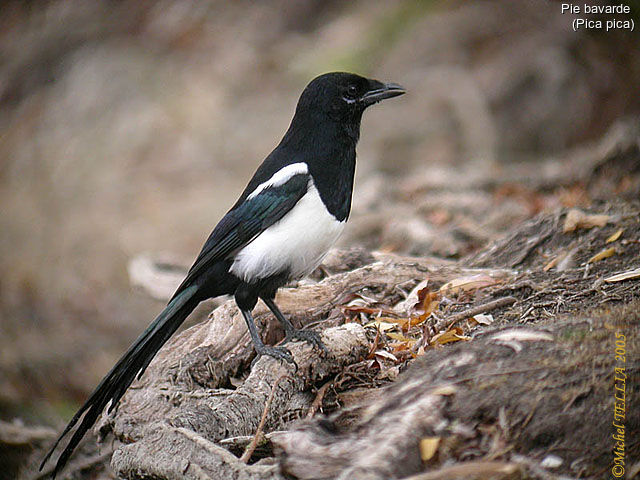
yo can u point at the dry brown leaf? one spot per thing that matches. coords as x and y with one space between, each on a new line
400 321
405 307
615 236
453 335
400 338
602 255
403 323
415 321
483 319
367 310
381 326
427 302
387 355
578 219
428 447
628 275
468 283
400 347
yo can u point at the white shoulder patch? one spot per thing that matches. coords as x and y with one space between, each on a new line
281 177
296 243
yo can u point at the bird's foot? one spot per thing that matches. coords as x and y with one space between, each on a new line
309 336
279 353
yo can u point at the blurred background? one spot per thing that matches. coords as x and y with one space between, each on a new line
130 127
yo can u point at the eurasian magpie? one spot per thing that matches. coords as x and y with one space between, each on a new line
289 215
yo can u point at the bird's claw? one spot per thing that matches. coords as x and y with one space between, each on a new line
279 353
309 336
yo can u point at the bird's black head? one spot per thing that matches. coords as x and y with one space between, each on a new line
344 96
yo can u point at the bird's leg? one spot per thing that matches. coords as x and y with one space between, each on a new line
291 332
279 353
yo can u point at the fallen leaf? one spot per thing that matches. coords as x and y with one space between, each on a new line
449 336
398 321
427 302
483 319
628 275
387 355
428 447
400 347
468 283
615 236
578 219
403 323
400 338
367 310
602 255
415 321
382 326
391 320
405 306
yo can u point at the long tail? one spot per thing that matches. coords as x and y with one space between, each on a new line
133 363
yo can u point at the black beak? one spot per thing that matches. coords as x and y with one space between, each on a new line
382 91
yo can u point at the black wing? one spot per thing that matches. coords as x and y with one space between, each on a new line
245 222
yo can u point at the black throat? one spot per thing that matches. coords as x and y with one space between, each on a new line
328 147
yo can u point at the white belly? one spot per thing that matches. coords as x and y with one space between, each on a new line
298 242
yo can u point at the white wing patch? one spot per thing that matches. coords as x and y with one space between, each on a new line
298 242
280 177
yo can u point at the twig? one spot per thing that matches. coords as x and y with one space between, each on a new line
317 402
256 438
448 322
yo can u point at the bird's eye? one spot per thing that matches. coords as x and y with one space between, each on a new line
352 91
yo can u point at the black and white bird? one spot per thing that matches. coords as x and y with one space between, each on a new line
289 215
